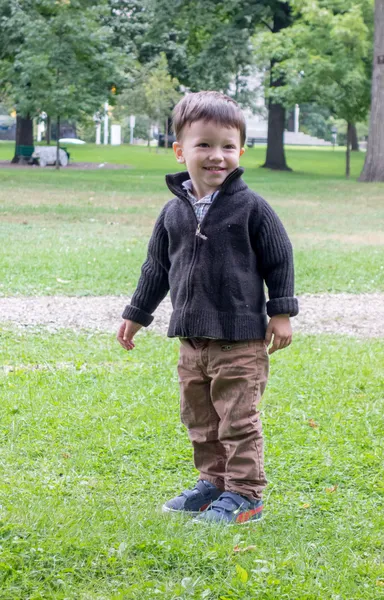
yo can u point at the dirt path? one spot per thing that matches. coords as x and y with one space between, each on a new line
360 315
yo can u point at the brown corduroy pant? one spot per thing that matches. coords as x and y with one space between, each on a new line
221 384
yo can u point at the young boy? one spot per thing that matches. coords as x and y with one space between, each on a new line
213 246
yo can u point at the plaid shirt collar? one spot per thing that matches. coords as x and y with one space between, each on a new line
187 185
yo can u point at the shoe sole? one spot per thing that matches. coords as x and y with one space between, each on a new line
192 513
227 523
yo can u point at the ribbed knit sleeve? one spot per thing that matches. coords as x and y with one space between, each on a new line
153 284
275 256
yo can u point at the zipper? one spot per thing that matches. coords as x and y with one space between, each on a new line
191 265
200 235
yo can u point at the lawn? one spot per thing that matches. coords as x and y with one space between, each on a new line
92 227
92 446
90 439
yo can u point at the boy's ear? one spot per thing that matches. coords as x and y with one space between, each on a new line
177 149
242 150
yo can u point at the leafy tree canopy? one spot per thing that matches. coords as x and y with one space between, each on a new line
324 57
57 56
154 94
207 43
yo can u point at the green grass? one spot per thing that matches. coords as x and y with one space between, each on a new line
90 228
92 445
90 438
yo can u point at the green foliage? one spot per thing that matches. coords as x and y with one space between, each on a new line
160 90
207 43
129 21
315 120
57 56
324 57
153 93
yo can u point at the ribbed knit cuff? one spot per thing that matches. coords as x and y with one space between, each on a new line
283 306
136 314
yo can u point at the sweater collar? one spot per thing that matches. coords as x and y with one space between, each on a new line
231 184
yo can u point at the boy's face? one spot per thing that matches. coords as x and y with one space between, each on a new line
210 152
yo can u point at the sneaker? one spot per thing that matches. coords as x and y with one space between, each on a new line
232 509
194 501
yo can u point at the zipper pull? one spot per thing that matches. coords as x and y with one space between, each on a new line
199 234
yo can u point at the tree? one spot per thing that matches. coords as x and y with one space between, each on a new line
354 138
12 23
161 93
275 158
153 92
207 43
62 62
324 57
208 46
316 120
374 162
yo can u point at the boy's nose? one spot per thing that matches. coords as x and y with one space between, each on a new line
216 154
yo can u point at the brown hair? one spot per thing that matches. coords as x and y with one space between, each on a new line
208 106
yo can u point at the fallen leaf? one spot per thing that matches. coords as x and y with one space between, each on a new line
63 280
332 489
248 548
306 506
242 573
66 455
380 582
312 423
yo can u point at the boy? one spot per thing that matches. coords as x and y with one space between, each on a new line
213 246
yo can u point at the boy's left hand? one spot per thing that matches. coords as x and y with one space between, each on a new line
280 327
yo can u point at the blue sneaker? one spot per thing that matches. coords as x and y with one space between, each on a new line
194 501
232 509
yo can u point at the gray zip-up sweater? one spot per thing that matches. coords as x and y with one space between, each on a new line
216 271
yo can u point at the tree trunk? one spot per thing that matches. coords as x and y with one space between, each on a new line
166 134
275 158
354 139
374 161
24 138
348 154
58 143
48 134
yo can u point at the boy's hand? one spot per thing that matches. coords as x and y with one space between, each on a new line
280 327
126 332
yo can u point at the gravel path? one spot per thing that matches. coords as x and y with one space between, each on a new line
360 315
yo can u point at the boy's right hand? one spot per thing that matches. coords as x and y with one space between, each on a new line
127 331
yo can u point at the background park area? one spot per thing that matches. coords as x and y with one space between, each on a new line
91 443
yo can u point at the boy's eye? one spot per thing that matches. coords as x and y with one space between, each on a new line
229 147
203 145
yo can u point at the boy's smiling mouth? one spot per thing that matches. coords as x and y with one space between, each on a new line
214 168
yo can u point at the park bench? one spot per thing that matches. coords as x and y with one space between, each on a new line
251 141
25 153
161 140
